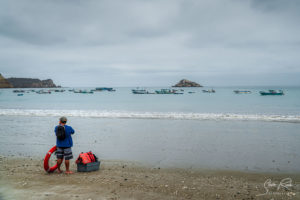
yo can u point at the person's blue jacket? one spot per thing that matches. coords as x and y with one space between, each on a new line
67 142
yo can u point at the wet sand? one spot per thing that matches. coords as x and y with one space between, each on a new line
25 178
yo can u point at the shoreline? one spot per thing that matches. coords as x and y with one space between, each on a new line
137 164
25 178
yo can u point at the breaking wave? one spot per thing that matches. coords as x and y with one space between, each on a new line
150 115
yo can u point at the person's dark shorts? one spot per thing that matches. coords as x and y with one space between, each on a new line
64 152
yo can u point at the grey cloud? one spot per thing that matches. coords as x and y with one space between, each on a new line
128 42
83 22
291 6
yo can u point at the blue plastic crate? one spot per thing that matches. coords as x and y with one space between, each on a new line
93 166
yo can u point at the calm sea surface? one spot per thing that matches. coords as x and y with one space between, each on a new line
221 130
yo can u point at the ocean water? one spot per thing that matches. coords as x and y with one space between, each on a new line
221 130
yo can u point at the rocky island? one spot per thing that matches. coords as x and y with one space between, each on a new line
26 83
187 83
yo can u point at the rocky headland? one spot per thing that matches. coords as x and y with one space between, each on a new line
187 83
4 83
26 83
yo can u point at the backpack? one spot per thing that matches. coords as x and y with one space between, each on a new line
60 132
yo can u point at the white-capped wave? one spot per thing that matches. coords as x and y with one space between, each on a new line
150 115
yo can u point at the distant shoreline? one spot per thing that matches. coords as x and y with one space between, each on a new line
198 88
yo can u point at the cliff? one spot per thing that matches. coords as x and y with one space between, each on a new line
187 83
31 83
4 83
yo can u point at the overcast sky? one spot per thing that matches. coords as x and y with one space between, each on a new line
151 42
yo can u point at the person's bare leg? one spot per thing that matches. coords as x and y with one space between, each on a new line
67 163
59 161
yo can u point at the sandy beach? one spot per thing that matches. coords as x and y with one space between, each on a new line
25 178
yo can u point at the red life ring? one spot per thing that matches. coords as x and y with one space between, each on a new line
46 161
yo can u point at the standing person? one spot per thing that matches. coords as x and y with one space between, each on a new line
64 143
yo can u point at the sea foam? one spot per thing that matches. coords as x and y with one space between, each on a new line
150 115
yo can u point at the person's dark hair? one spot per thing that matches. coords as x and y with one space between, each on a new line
63 120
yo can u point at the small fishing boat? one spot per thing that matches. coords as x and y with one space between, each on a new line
191 92
84 91
59 90
167 91
272 92
140 91
176 92
209 91
163 91
76 91
20 94
99 89
242 91
43 92
19 91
